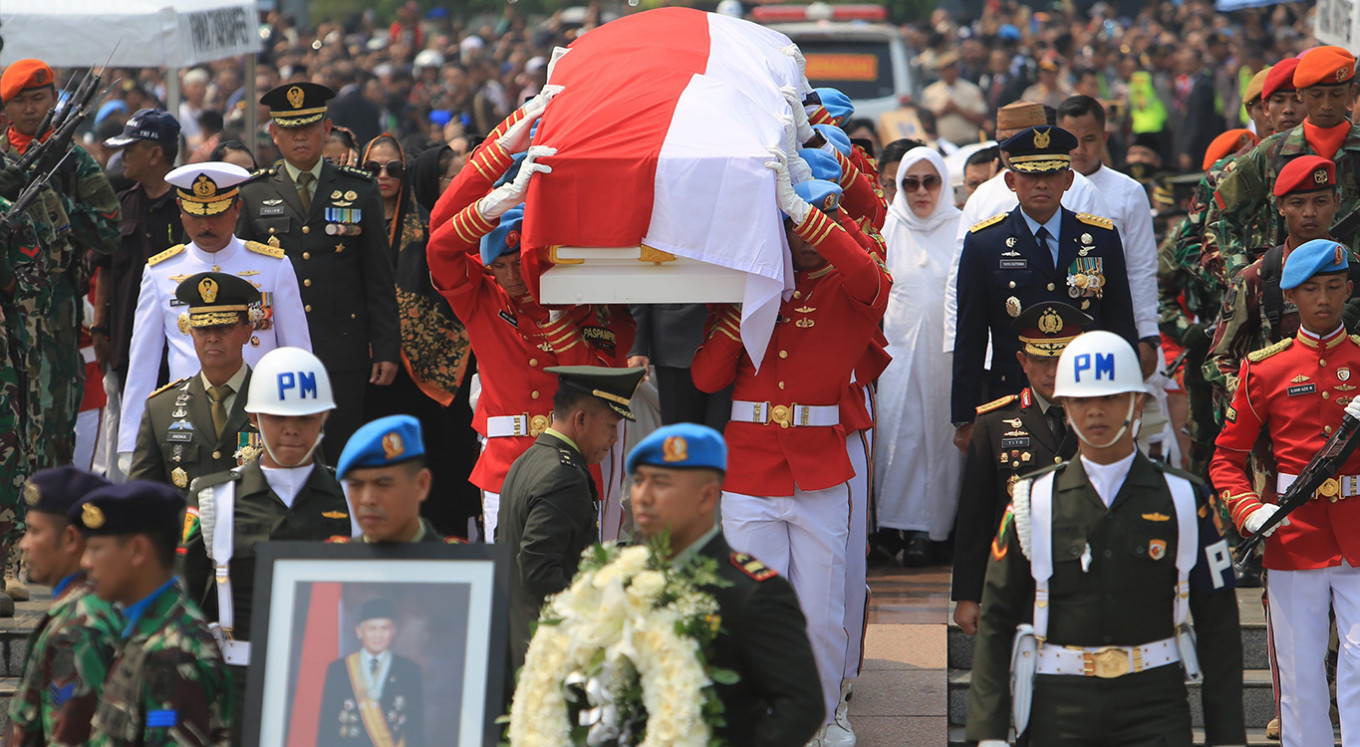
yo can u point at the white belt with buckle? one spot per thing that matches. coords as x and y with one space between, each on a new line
1107 662
234 652
795 415
516 425
1333 488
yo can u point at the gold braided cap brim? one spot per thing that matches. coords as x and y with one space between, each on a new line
298 118
1040 164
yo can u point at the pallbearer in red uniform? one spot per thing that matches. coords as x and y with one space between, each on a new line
786 498
1296 392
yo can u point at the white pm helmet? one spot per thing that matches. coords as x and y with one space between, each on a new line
1096 364
289 381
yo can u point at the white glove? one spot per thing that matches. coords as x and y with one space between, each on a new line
797 54
789 202
499 200
125 462
1353 408
1258 517
799 170
516 138
800 117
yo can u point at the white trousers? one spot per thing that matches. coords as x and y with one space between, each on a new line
802 537
491 510
860 446
113 393
1299 601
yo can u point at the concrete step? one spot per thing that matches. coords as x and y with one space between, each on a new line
1255 738
1258 700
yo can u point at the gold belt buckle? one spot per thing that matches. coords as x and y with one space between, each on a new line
1329 489
1107 663
782 415
538 424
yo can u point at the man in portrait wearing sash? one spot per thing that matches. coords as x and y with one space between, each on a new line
373 696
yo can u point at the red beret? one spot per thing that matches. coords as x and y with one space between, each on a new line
1227 144
1305 174
23 75
1280 77
1324 66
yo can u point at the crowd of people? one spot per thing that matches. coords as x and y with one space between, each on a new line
1075 341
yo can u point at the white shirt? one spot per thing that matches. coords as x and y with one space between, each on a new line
287 482
156 323
1132 215
1107 479
375 682
993 197
967 96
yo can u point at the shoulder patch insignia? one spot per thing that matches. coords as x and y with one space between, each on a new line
167 254
455 541
352 171
257 175
997 404
1095 220
1256 356
339 540
995 219
999 544
265 249
167 386
335 515
752 567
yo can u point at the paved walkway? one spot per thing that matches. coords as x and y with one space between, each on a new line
901 697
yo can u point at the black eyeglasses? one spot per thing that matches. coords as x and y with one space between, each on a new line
911 183
395 169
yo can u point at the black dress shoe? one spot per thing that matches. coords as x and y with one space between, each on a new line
918 552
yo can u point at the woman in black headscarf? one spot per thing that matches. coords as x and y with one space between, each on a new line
434 350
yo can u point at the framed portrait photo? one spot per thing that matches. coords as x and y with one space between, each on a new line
361 644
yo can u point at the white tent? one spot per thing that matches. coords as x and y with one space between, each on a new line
145 33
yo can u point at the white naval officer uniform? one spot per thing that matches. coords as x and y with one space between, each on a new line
157 320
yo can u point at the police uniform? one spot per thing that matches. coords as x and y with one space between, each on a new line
1296 392
390 440
549 512
1084 543
1012 437
514 339
339 246
178 440
370 700
777 697
161 318
72 645
790 466
167 683
1004 270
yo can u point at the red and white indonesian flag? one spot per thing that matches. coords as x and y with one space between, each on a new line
662 132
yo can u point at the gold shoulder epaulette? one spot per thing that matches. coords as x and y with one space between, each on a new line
995 219
1095 220
265 249
258 174
997 404
1355 339
1256 356
167 386
167 254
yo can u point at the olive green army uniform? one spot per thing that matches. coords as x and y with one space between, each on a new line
548 517
1113 583
168 684
176 442
427 535
340 252
69 653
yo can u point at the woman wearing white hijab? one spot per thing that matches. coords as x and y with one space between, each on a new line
916 466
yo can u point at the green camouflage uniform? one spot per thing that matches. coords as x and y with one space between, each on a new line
1245 218
42 226
168 684
59 384
68 658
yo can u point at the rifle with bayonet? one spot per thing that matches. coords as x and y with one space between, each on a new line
64 119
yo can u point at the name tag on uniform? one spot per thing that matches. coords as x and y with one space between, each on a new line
177 302
1015 264
1015 443
271 210
509 318
179 437
1295 391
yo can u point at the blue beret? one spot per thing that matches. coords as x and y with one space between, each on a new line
837 104
385 441
821 194
823 164
680 446
513 171
1311 258
503 239
55 490
131 508
836 136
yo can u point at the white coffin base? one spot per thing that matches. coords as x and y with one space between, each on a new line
616 276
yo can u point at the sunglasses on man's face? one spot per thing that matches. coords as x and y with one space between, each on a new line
394 169
911 183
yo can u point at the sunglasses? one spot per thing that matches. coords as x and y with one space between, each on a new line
394 169
911 183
